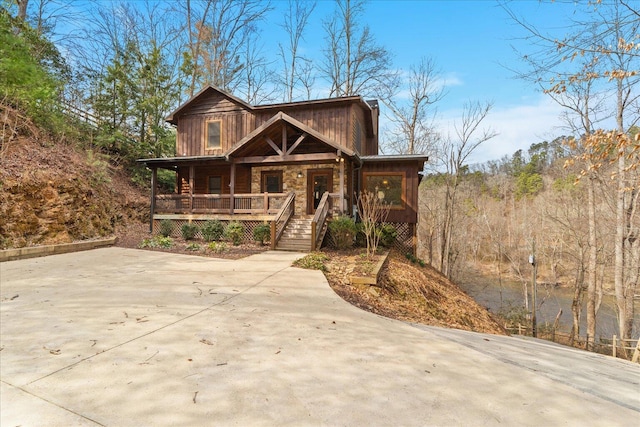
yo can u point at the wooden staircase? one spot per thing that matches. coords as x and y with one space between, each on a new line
296 237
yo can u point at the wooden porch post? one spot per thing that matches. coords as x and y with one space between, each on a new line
266 203
273 235
154 181
341 185
232 187
192 171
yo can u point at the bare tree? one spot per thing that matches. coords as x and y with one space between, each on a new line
256 83
413 128
354 63
217 34
295 66
373 212
469 136
608 36
22 9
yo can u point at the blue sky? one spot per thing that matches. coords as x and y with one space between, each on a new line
471 42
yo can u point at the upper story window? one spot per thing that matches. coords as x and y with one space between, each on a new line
213 136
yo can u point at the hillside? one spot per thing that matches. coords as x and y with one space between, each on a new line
412 293
54 192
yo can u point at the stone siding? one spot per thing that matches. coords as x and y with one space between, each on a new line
291 182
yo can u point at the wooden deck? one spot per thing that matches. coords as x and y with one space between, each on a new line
219 204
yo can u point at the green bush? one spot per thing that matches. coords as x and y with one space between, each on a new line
312 261
189 231
194 247
415 260
212 230
234 232
388 235
217 247
342 231
261 233
166 227
157 242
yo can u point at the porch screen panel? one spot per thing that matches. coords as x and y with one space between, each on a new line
215 185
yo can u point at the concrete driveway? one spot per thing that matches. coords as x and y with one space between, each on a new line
121 337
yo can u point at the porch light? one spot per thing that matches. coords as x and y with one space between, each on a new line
300 175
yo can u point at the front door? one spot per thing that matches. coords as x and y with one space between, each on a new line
318 182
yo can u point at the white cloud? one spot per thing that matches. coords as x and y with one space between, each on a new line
518 127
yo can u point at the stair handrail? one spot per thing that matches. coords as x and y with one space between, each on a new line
319 219
284 214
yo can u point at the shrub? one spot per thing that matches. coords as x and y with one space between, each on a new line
194 247
312 261
415 260
189 231
388 235
261 233
166 227
342 231
157 242
212 230
234 232
217 247
164 242
148 243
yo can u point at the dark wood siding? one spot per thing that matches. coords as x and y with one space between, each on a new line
410 170
191 132
236 123
337 121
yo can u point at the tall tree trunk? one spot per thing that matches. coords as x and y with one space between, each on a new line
22 9
619 245
591 267
576 304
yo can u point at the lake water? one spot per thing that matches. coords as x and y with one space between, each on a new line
488 292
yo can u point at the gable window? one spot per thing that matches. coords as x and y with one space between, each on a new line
387 186
215 185
271 182
213 135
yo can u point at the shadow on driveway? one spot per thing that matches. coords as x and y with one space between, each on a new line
123 337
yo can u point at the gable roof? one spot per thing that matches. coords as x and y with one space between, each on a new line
367 106
206 91
281 117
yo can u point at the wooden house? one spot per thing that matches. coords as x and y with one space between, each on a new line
291 165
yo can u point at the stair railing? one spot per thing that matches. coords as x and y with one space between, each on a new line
279 223
318 221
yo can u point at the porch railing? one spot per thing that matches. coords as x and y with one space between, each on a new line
258 203
279 223
317 224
